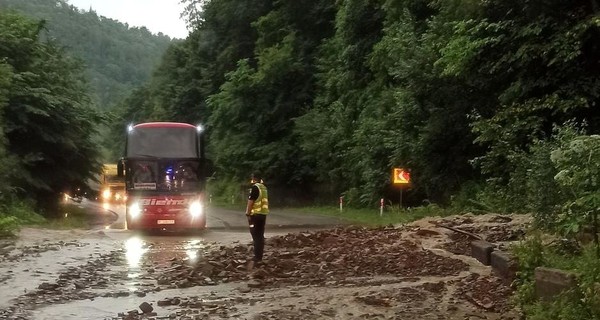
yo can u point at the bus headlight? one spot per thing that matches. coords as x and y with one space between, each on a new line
106 194
196 209
134 210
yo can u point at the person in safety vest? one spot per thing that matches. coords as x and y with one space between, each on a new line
256 212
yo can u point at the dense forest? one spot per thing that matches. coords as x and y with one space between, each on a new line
117 58
327 96
47 118
61 70
491 105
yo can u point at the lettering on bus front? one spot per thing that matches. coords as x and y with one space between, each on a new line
164 202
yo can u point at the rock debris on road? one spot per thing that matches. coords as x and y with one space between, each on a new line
418 271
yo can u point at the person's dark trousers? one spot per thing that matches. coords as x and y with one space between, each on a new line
257 230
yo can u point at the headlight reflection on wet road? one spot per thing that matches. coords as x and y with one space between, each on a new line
134 251
192 248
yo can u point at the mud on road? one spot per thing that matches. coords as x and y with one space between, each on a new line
415 271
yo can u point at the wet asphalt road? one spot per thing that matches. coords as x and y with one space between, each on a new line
112 216
338 273
111 259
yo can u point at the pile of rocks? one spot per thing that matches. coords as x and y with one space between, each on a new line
314 258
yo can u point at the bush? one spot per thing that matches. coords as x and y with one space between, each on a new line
578 160
14 214
530 187
8 225
582 303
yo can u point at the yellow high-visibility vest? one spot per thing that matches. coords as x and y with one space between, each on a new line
261 204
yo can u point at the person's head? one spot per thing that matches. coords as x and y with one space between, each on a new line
256 177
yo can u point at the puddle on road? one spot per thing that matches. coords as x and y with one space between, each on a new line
142 257
145 256
161 252
114 264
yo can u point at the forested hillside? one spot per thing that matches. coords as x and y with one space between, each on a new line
117 58
326 97
329 96
492 106
47 120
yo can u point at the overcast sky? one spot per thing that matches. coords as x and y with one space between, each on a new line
156 15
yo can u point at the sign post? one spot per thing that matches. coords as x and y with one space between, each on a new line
401 178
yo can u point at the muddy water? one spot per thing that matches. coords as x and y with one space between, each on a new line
103 274
117 269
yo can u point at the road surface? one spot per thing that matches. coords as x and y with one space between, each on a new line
112 216
410 272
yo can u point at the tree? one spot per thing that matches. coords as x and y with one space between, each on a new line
117 58
330 130
6 161
49 121
534 60
263 97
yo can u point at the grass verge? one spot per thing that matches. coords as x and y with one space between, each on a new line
374 217
18 214
71 217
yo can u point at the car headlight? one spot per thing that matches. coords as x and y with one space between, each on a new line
134 210
106 194
196 209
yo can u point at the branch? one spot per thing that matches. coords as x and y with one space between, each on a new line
472 235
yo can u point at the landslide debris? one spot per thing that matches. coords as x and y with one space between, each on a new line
414 279
349 258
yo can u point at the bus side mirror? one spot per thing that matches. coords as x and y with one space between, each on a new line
120 168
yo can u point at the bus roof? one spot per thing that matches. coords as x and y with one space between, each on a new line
164 125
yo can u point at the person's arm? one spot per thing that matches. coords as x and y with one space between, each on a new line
249 207
254 192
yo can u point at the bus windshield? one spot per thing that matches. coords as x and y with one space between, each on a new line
167 142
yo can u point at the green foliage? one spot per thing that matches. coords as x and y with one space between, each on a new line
6 160
263 100
118 58
581 303
332 95
371 216
530 255
48 119
24 212
578 160
14 214
532 58
565 307
531 186
8 226
226 192
340 133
